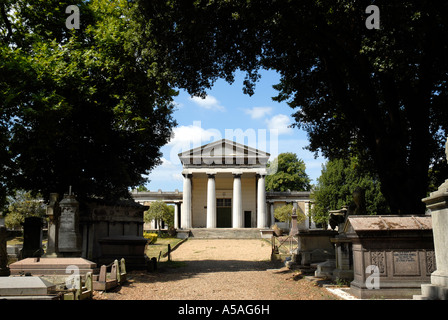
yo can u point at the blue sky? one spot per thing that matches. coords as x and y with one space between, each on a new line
229 113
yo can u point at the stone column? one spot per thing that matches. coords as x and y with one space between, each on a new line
237 206
261 202
176 215
185 218
53 213
271 206
438 203
211 200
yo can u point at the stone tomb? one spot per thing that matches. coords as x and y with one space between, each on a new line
52 266
27 288
314 246
400 247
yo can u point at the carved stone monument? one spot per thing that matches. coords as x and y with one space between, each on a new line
4 270
437 202
395 252
69 243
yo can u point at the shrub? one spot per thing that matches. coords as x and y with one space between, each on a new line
152 237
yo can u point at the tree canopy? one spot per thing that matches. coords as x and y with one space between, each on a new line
289 174
377 94
335 187
78 107
160 211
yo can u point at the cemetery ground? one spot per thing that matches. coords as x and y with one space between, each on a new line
217 269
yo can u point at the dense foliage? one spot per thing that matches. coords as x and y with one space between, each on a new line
78 107
159 211
338 181
377 94
288 174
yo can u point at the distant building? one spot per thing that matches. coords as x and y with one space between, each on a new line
224 187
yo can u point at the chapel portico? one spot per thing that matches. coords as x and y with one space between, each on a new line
224 186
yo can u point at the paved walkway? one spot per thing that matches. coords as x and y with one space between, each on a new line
220 269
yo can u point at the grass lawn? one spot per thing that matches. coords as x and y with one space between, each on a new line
161 245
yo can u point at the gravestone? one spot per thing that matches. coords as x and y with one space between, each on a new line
69 238
4 270
32 237
437 202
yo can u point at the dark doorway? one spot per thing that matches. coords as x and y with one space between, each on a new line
247 219
224 213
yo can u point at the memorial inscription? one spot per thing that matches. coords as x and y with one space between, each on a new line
406 263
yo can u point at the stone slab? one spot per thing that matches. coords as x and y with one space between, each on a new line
51 266
378 223
25 286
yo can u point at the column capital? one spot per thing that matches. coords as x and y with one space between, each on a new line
211 173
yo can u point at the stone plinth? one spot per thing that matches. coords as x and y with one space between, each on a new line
52 266
131 248
398 249
314 246
437 202
344 258
26 287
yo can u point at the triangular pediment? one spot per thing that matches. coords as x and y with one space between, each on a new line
224 152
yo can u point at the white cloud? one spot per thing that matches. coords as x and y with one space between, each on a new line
258 112
210 103
189 137
280 122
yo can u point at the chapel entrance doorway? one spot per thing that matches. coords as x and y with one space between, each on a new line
224 213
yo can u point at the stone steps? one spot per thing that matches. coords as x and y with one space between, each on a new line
225 233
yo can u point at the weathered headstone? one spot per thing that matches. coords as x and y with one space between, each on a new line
4 270
53 213
437 202
32 237
69 242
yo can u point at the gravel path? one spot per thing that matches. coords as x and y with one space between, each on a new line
219 269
